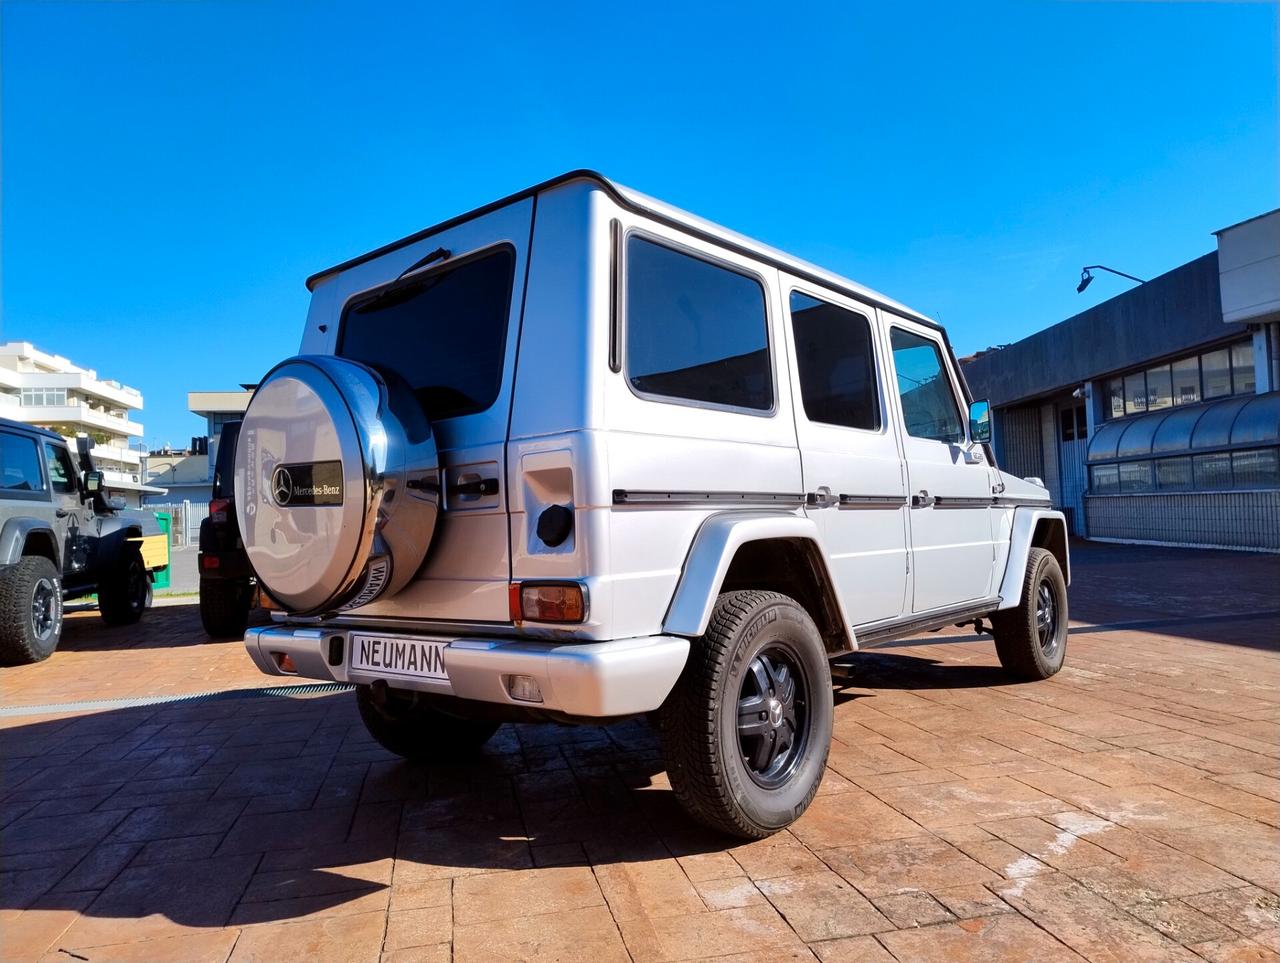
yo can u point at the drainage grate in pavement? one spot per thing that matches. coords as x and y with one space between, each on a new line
282 690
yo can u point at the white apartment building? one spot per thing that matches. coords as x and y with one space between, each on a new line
45 389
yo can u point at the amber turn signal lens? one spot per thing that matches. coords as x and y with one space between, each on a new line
552 602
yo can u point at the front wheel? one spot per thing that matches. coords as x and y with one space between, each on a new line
125 593
407 724
747 728
1031 639
30 611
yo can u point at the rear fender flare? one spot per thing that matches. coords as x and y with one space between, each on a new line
713 551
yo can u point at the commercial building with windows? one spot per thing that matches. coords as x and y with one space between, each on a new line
48 390
187 475
1155 416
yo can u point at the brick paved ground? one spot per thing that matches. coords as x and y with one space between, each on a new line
1129 809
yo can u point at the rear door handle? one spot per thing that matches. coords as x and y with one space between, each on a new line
922 499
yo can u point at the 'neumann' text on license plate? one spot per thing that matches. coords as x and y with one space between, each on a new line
418 658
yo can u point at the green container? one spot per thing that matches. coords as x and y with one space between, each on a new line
166 526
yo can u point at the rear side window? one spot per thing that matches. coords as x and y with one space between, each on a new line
696 331
836 364
444 334
928 403
19 465
224 466
62 473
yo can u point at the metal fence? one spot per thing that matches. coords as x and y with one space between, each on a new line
1228 519
187 517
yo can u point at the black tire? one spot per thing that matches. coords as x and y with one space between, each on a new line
30 611
1031 639
743 773
125 592
224 606
407 724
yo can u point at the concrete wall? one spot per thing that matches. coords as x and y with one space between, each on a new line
1174 312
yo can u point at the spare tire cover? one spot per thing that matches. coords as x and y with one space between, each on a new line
337 485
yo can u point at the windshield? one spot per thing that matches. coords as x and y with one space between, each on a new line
443 334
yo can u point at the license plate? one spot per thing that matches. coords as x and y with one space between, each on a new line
389 655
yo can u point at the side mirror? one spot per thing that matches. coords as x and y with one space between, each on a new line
92 482
980 422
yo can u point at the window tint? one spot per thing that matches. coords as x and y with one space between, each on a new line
1135 476
444 334
1242 374
1105 479
836 364
695 330
1159 388
19 464
928 404
1186 381
1115 398
62 473
1135 393
1217 373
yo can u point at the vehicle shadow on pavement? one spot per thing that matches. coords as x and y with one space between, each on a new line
161 627
874 669
218 812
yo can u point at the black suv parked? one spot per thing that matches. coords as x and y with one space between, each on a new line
62 537
227 585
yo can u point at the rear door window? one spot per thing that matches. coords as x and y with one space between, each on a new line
696 330
836 364
443 333
20 472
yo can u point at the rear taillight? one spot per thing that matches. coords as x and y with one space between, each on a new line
218 509
548 602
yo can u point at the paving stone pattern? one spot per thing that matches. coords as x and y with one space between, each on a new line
1128 809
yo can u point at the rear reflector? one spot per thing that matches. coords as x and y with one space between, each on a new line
218 510
210 561
552 602
284 662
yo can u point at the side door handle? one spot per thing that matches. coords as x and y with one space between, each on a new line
482 486
62 512
922 499
822 498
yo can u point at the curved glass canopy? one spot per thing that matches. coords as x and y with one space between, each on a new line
1236 422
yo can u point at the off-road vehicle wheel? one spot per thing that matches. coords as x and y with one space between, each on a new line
224 607
125 593
1031 639
408 725
30 611
747 728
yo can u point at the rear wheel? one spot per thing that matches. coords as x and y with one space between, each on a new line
747 729
30 611
1031 639
224 606
125 592
407 724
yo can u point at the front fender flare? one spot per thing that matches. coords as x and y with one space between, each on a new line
1021 541
712 553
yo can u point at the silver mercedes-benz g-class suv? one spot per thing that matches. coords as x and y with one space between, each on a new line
578 455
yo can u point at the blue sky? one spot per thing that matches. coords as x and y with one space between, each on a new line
173 171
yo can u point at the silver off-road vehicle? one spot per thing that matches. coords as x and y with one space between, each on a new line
62 537
578 455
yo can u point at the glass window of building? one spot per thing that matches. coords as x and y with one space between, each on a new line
1186 381
1242 375
1135 476
1135 393
1159 388
1173 474
1257 468
1104 479
1216 367
1068 419
1213 471
1115 398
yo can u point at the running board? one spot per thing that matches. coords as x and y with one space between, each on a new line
923 623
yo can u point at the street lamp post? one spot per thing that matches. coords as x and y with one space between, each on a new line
1086 278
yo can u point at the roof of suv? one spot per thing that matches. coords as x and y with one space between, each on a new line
12 425
650 207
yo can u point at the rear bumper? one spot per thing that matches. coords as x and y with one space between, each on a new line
594 679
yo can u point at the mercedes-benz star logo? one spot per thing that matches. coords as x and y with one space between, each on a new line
282 486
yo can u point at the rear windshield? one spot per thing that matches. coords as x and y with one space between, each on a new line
443 334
